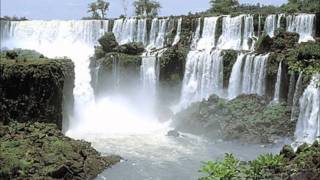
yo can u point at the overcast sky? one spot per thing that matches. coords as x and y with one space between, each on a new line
75 9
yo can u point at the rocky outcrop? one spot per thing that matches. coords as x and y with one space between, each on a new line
41 151
36 90
247 118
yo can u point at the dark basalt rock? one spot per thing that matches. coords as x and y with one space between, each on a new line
36 90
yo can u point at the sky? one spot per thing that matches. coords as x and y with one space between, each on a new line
76 9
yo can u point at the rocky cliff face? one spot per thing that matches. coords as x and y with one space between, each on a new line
37 90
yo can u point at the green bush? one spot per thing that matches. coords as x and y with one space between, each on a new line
226 169
231 168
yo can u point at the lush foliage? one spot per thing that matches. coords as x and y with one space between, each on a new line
305 58
223 6
146 7
231 168
308 6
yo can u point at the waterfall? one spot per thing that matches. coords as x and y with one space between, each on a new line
295 104
280 16
158 33
292 85
149 76
276 97
203 76
303 24
308 126
231 33
177 37
248 33
270 25
204 66
196 35
74 39
207 40
130 30
232 36
250 80
235 79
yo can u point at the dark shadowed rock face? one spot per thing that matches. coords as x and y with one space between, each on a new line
38 90
41 151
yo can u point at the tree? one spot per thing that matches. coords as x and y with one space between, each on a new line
98 9
146 7
103 6
93 8
223 6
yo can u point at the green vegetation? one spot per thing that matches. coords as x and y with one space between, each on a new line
305 58
306 6
146 7
223 6
41 151
232 168
286 165
13 18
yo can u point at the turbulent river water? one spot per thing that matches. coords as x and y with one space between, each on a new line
154 155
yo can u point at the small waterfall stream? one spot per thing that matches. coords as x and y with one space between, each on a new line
277 90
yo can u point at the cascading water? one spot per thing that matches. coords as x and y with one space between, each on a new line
303 24
177 37
204 67
308 126
74 39
232 36
270 24
276 97
235 79
250 80
196 36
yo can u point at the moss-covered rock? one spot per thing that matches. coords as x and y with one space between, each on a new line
41 151
36 90
108 42
130 48
247 118
264 43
